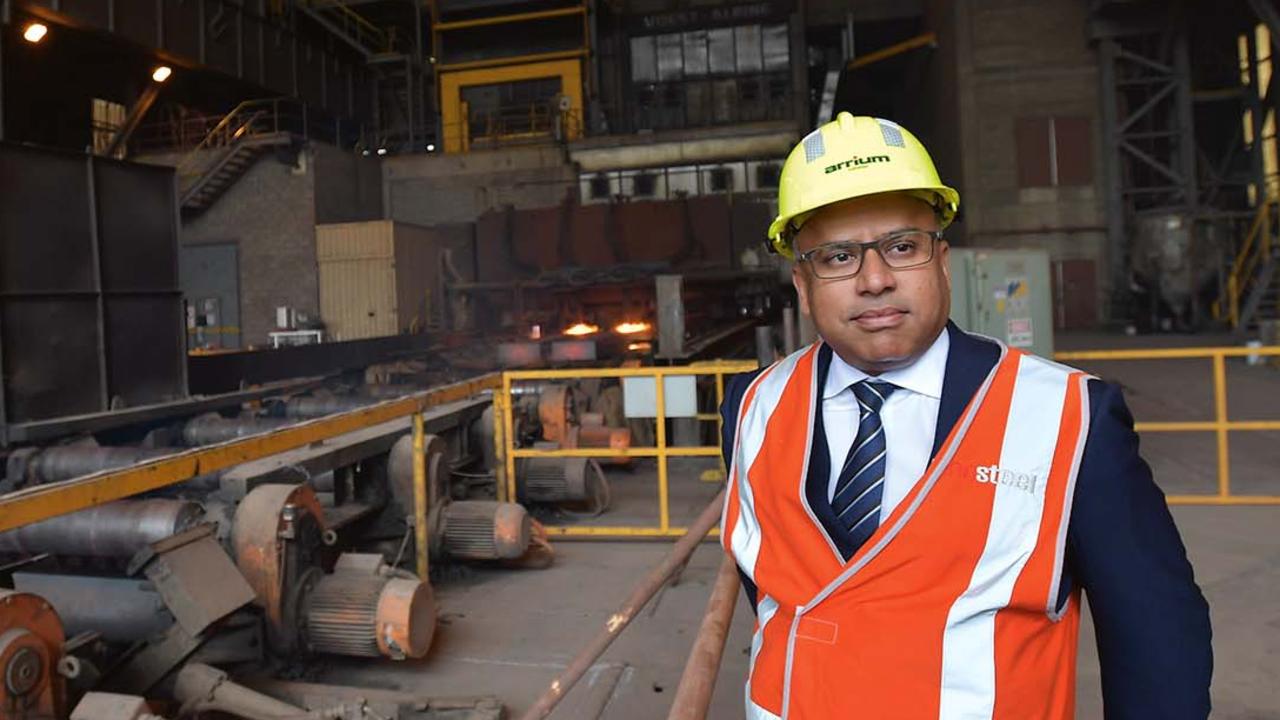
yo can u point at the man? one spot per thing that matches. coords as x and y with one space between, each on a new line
915 510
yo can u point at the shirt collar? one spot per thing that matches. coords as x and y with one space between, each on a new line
924 376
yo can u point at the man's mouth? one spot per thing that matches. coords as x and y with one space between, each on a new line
879 318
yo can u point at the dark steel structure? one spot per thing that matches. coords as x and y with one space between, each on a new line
90 310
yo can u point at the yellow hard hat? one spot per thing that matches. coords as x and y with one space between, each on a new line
851 157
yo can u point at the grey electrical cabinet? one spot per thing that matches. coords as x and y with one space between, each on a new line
1004 294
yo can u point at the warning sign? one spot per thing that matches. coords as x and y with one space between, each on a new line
1020 334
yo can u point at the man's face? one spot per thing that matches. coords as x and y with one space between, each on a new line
879 319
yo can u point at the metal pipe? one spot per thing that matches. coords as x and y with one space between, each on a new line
201 688
790 333
116 530
641 595
764 345
121 609
693 696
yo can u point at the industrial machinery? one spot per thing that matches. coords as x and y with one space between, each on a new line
271 562
31 668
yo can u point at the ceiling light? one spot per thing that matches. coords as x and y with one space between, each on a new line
35 32
161 73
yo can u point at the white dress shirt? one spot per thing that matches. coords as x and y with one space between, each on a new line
910 417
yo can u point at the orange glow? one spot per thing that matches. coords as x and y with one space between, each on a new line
582 329
631 327
640 346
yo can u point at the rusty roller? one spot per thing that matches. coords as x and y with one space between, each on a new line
31 638
365 609
563 480
483 530
400 472
601 436
557 410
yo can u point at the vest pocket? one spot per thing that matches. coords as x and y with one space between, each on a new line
823 631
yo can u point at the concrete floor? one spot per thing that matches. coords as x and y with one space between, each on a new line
508 633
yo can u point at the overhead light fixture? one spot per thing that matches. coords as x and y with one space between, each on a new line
382 151
162 73
582 329
631 327
35 32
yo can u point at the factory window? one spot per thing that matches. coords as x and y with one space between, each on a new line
742 50
746 42
644 59
599 187
695 53
767 176
107 119
670 57
1054 151
776 56
644 184
721 179
720 51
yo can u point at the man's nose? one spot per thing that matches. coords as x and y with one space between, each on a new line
875 276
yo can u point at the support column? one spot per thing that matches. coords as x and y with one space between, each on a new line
1117 265
669 289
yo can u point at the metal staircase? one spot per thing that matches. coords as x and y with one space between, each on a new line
245 134
1252 293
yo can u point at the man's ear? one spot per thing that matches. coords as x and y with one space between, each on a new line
801 283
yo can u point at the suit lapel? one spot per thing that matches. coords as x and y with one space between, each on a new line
969 361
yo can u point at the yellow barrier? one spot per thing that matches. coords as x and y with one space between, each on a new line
504 439
1220 425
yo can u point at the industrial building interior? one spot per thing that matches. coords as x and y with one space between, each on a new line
331 330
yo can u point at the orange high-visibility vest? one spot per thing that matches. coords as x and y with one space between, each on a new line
950 609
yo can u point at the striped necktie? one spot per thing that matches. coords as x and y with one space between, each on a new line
856 502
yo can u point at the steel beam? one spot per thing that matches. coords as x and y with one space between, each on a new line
1268 14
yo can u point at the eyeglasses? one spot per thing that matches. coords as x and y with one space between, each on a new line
899 250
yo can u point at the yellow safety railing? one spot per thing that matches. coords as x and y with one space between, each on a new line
504 435
1221 424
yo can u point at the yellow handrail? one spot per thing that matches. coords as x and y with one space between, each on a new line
504 427
1221 424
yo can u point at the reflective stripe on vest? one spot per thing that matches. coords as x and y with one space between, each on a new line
948 610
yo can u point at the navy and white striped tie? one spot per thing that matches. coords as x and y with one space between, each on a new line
860 486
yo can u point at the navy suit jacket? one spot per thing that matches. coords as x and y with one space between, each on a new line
1151 621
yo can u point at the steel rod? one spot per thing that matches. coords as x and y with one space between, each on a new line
693 696
618 621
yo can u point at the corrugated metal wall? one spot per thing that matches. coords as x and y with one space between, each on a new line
382 277
357 279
